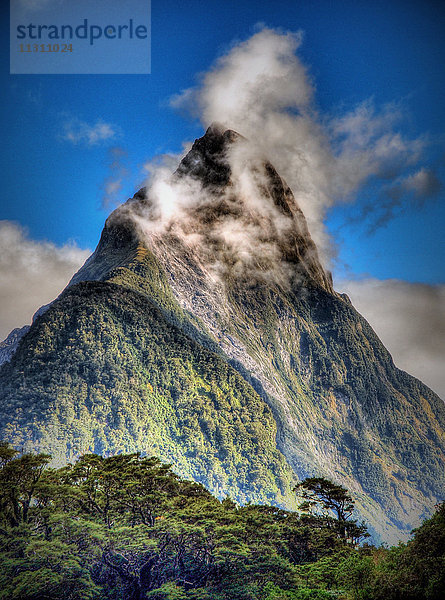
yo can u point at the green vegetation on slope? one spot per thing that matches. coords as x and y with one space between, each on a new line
127 528
341 406
347 409
103 371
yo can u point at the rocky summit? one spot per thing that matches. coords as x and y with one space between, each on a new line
205 330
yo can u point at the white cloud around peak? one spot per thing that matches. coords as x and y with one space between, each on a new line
261 89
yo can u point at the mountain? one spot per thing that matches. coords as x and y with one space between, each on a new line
10 344
204 329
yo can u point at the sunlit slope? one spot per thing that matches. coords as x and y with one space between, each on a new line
103 371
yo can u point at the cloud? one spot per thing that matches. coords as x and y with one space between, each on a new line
32 274
367 144
409 318
80 132
117 172
261 89
247 229
412 190
424 184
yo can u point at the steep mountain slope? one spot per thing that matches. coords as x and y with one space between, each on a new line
102 370
228 265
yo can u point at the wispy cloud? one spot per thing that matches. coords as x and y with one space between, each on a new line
80 132
32 273
117 172
424 184
405 191
262 89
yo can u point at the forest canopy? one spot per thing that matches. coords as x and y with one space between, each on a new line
127 527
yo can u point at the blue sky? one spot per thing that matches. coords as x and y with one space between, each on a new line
67 136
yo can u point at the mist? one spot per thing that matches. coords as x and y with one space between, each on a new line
261 89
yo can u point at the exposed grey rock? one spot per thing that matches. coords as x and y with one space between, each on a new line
9 345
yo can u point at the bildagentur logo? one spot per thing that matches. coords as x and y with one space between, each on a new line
32 32
81 37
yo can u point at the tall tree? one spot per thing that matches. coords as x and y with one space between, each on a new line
321 496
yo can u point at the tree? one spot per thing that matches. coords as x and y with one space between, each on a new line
39 555
127 526
323 497
415 570
19 480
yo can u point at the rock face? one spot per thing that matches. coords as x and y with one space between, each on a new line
231 277
10 344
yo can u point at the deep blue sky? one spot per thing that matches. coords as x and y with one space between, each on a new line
389 51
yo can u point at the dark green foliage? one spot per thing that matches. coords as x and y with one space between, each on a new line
321 498
415 571
127 528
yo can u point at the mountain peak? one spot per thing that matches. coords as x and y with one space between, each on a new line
205 329
217 129
207 158
233 215
247 212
